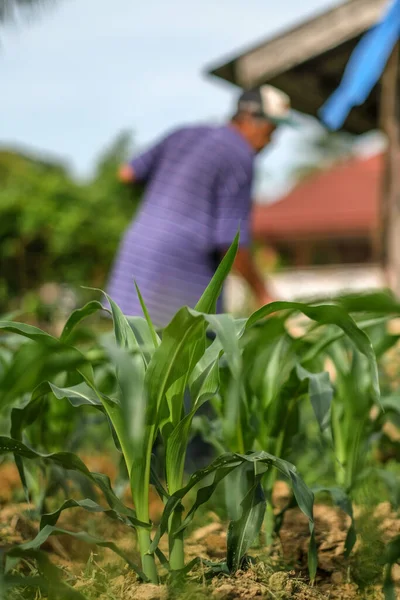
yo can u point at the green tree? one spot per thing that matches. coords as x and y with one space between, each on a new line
53 228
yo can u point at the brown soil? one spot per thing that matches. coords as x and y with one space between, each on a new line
280 574
265 579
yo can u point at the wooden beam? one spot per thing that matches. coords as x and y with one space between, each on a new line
314 37
390 205
294 84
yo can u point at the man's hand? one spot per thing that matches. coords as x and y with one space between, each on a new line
245 266
126 174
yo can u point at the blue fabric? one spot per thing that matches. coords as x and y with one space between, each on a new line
364 68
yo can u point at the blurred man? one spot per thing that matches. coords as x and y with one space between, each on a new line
198 192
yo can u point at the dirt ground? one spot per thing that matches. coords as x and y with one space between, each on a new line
280 574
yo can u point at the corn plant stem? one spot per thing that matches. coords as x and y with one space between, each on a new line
141 501
270 480
148 563
339 447
175 542
240 448
355 456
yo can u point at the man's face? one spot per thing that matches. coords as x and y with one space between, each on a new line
261 133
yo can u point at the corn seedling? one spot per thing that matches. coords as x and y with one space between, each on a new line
152 375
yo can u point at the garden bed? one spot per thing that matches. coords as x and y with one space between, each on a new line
280 574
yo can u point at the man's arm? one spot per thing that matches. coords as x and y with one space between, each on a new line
141 168
244 265
126 174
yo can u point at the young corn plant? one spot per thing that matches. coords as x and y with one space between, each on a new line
268 375
24 363
152 375
359 420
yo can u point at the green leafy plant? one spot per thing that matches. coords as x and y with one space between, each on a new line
358 416
47 225
46 425
390 557
269 374
152 376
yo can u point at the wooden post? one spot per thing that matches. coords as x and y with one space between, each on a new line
390 206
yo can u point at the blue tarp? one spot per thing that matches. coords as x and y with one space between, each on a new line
364 68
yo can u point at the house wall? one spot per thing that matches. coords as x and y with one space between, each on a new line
307 284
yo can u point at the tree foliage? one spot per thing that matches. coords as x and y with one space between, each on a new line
53 228
9 9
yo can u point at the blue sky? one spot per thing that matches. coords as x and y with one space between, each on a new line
83 70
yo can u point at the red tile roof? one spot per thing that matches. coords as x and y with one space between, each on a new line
341 201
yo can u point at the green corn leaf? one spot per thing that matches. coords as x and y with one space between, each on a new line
206 386
144 337
385 343
320 391
124 334
208 301
164 562
329 314
325 340
391 403
79 315
28 331
135 436
154 336
104 484
177 442
372 302
236 486
24 417
88 505
78 395
20 419
211 354
228 334
67 460
219 469
48 531
128 417
72 462
154 480
174 357
243 532
34 363
50 580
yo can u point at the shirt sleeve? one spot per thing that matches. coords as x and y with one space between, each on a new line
233 204
144 164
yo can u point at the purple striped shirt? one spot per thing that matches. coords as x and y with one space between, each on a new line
198 192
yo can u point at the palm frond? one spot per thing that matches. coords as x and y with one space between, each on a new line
10 9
